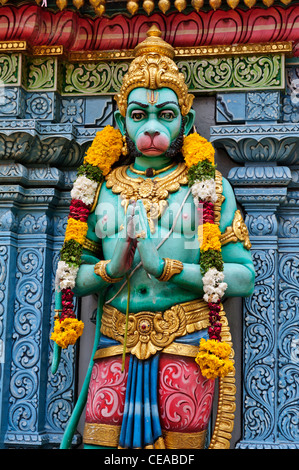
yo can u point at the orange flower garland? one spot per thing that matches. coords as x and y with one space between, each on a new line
209 237
101 155
213 355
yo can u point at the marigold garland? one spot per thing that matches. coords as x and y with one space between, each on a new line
197 149
67 331
209 236
101 155
76 230
105 149
213 355
213 358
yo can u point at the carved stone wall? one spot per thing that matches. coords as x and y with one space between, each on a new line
264 144
43 137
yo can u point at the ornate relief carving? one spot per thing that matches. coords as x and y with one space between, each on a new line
243 145
288 347
259 353
94 78
263 106
25 368
201 74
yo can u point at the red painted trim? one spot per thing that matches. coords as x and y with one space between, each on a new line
40 26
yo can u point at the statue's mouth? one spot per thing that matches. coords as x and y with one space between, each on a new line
152 145
151 151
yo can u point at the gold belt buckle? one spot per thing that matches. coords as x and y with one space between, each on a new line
149 332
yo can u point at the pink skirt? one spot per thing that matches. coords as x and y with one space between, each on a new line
184 402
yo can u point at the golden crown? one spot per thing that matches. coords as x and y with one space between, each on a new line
153 67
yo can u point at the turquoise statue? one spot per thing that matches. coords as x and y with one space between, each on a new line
154 231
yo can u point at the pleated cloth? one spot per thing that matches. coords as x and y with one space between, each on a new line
141 424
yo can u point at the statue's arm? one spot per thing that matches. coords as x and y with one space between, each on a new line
238 273
87 281
238 266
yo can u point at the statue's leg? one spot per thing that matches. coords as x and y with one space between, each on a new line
185 402
105 403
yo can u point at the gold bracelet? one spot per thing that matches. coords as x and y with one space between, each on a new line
171 267
100 270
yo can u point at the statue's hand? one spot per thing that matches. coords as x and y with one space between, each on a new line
125 248
149 255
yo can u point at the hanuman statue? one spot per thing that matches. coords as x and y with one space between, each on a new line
154 231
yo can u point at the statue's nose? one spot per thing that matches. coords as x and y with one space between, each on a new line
152 133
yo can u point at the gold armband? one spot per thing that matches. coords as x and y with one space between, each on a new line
92 246
171 267
237 232
100 270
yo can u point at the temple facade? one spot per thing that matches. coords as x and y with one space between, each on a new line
61 63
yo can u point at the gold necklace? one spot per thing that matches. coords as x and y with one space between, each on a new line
150 171
152 192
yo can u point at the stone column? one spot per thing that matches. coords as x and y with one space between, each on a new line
33 215
265 187
44 134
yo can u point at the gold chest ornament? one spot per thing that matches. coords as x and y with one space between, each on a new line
152 192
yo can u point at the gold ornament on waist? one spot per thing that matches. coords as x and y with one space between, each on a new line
152 192
171 267
100 270
153 68
150 332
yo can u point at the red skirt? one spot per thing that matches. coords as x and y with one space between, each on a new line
184 402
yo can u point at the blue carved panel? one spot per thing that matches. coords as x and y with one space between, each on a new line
290 101
259 352
264 106
12 102
42 106
262 137
26 344
33 218
288 347
288 324
248 107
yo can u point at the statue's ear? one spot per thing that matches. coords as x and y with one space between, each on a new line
120 121
189 121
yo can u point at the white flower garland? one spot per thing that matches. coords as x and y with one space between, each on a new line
65 276
204 190
213 285
84 189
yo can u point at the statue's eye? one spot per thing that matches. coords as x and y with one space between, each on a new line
168 115
137 115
